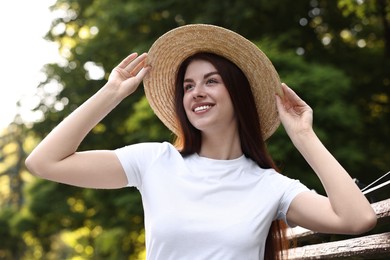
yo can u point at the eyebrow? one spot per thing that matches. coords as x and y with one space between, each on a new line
204 77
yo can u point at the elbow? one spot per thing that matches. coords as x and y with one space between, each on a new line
32 164
365 223
370 222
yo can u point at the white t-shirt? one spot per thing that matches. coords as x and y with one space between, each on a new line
201 208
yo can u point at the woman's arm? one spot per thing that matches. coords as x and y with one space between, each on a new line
345 209
56 159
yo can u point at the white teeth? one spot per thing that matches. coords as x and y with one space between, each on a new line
201 108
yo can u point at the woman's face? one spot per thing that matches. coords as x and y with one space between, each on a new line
206 100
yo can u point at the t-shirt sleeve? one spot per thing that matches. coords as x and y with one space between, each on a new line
291 189
136 159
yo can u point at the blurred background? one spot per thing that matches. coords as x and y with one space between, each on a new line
335 54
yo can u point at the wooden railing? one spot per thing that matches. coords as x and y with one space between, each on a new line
312 245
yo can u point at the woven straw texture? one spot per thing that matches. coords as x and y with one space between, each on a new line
172 48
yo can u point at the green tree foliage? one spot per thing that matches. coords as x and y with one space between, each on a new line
356 38
13 174
333 53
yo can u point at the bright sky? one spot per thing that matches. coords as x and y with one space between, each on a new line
23 52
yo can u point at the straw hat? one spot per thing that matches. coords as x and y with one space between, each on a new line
171 49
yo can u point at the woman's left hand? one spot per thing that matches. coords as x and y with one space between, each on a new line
345 210
295 115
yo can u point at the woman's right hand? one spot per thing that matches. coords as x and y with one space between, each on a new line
56 157
127 76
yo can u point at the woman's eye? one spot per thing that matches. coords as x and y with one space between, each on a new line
211 81
188 87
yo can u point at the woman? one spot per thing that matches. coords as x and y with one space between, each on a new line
216 193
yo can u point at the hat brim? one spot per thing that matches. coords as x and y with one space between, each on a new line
171 49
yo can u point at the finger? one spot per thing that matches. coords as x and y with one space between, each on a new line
279 101
284 88
126 61
284 100
291 96
283 105
142 73
288 91
138 68
279 104
133 64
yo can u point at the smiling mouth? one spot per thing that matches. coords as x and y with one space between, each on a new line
202 108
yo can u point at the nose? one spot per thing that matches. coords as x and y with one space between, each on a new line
198 92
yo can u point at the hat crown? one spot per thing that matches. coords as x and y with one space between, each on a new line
171 49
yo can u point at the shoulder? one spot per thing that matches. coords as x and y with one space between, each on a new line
148 150
153 147
272 174
137 159
282 182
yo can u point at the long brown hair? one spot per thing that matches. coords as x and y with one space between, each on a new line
252 141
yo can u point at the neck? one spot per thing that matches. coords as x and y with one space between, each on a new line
222 145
